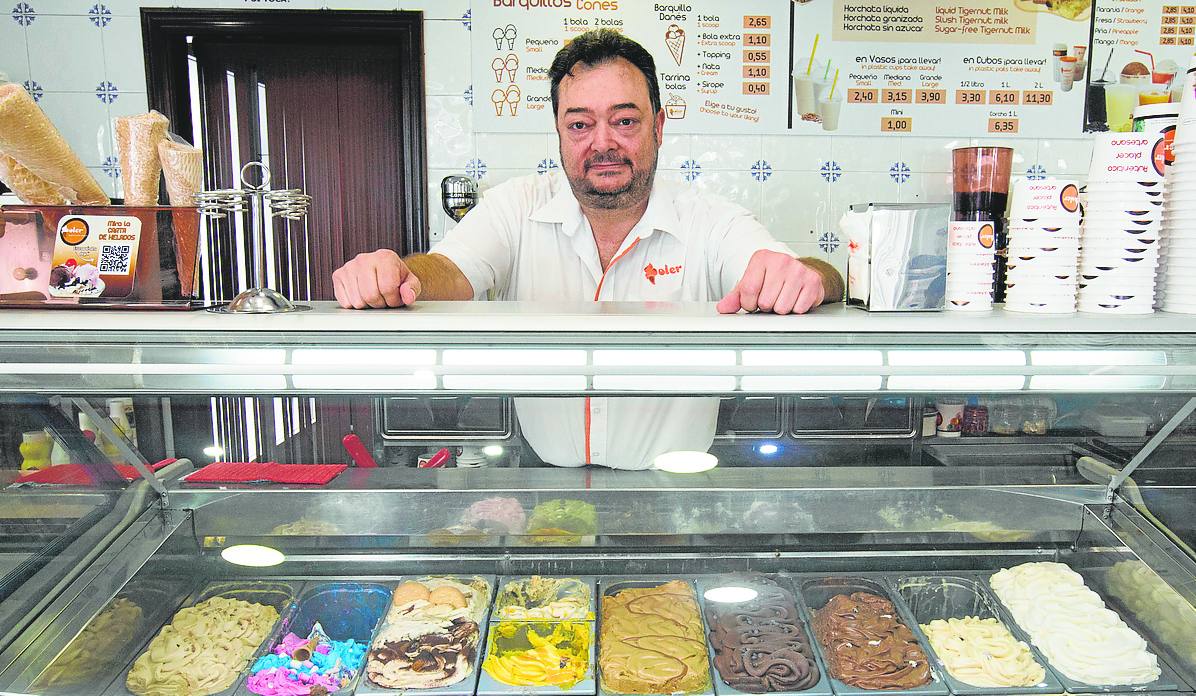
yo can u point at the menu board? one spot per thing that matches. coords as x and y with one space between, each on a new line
723 65
1140 50
941 67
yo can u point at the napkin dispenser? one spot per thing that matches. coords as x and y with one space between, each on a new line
897 256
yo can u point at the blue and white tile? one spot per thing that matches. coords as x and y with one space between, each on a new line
927 154
14 57
450 132
674 150
791 203
512 150
129 104
23 14
437 9
737 187
864 154
77 70
446 58
83 121
796 153
732 152
124 61
111 185
1065 156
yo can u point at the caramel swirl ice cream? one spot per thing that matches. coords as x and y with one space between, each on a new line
652 641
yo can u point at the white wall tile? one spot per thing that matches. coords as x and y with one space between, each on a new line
511 150
14 56
735 186
674 150
796 153
450 132
83 121
81 69
124 61
1065 157
111 186
446 59
926 154
727 152
496 176
926 187
791 204
864 154
437 9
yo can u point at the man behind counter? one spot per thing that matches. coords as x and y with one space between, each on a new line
613 233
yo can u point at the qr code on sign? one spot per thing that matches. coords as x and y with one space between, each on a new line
115 258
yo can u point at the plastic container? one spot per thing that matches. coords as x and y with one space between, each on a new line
1116 422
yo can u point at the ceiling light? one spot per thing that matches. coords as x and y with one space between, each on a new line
683 462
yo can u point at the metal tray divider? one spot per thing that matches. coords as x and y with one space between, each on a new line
1071 685
1050 683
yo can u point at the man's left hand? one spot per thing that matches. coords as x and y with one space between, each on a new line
777 283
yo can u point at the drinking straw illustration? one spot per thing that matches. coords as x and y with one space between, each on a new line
1146 53
833 84
1107 61
813 50
826 73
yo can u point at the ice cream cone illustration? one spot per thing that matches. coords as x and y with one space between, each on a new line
511 64
498 35
674 38
497 65
513 95
498 98
509 33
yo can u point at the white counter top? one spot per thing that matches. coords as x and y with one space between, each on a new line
588 317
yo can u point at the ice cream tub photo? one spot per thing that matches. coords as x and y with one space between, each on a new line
844 609
666 616
759 614
543 598
539 657
247 616
430 641
949 612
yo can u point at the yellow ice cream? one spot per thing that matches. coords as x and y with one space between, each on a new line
982 652
539 654
203 649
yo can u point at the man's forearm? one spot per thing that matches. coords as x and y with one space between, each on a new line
832 281
439 278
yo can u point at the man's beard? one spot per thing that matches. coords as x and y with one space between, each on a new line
632 193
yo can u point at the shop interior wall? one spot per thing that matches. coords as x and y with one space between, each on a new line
83 60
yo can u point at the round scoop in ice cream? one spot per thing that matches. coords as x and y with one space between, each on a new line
982 652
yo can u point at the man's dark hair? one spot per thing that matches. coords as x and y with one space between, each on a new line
597 47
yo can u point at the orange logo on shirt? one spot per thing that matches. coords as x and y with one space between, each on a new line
650 271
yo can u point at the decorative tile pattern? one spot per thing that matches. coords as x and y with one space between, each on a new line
691 169
761 171
899 172
107 92
34 89
467 95
467 20
23 14
831 171
111 166
828 242
100 15
546 165
1036 171
476 168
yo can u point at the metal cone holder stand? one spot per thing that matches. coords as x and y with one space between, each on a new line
262 204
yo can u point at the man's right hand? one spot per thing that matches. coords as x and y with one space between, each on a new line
377 279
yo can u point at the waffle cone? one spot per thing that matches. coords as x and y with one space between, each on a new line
183 167
28 186
137 139
28 137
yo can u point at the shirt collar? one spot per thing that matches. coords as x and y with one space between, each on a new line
563 209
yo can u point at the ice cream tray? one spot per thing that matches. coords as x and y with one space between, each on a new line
588 580
489 686
278 594
821 688
465 687
1167 681
615 584
814 591
932 596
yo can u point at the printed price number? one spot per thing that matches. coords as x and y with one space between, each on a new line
1170 19
896 96
1038 97
969 96
757 56
896 124
932 96
1184 41
1002 125
862 96
757 40
1167 41
760 72
756 88
757 22
1170 9
1189 9
1005 97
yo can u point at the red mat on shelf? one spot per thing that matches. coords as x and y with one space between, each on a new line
77 475
250 472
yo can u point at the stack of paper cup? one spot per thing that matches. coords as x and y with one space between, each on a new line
1122 224
1044 246
1177 276
971 264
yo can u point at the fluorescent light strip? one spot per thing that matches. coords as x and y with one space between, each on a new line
811 383
573 383
981 358
664 358
819 358
665 383
366 383
1108 383
514 358
1098 357
956 383
364 356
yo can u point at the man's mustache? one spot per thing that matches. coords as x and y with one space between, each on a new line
606 158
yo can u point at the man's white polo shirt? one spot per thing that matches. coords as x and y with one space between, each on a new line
528 240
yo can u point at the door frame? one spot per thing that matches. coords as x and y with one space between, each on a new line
164 38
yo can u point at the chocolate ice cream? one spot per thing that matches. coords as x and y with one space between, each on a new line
867 646
759 645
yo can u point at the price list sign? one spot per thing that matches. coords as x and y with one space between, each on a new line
940 67
1140 49
722 65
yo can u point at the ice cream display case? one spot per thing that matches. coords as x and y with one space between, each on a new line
998 563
